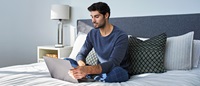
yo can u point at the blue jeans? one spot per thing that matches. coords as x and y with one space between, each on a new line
118 74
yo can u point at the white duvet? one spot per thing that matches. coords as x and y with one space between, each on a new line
37 74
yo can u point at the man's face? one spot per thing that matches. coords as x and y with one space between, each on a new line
98 20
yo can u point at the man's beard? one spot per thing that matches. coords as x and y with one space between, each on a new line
102 25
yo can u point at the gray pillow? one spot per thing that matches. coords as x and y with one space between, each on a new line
146 56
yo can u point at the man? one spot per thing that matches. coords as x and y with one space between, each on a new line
110 44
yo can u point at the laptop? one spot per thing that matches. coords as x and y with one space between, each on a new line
58 68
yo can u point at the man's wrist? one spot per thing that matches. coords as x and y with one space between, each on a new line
95 69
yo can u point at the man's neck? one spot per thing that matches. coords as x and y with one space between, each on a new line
106 30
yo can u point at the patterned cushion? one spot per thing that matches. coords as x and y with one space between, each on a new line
91 58
147 56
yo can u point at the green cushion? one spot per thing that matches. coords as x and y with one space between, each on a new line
91 58
146 56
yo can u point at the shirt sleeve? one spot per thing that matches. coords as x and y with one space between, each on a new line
85 49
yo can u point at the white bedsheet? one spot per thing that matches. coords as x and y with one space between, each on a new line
37 74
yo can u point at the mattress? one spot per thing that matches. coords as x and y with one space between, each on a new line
37 74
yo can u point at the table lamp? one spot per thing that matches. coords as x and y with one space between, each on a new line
60 12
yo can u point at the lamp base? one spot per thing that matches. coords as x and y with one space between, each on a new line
59 46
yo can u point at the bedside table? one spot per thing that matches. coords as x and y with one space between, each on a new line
59 52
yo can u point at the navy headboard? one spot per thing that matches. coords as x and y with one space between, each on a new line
149 26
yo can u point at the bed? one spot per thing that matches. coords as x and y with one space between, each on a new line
142 27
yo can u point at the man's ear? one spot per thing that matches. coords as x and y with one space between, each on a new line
107 15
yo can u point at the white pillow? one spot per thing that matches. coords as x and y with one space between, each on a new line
178 55
80 40
196 52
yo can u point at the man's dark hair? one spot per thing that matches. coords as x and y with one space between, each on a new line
101 7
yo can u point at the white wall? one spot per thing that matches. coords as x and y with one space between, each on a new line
25 24
123 8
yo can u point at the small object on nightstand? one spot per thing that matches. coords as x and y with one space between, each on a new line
52 55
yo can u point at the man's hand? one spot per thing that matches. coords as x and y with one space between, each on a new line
81 63
78 73
81 71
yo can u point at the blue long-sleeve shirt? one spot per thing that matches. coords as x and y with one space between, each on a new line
110 50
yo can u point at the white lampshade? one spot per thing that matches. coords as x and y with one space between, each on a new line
60 12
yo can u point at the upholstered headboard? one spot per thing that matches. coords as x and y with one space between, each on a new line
149 26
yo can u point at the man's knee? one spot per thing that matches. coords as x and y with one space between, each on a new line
117 74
